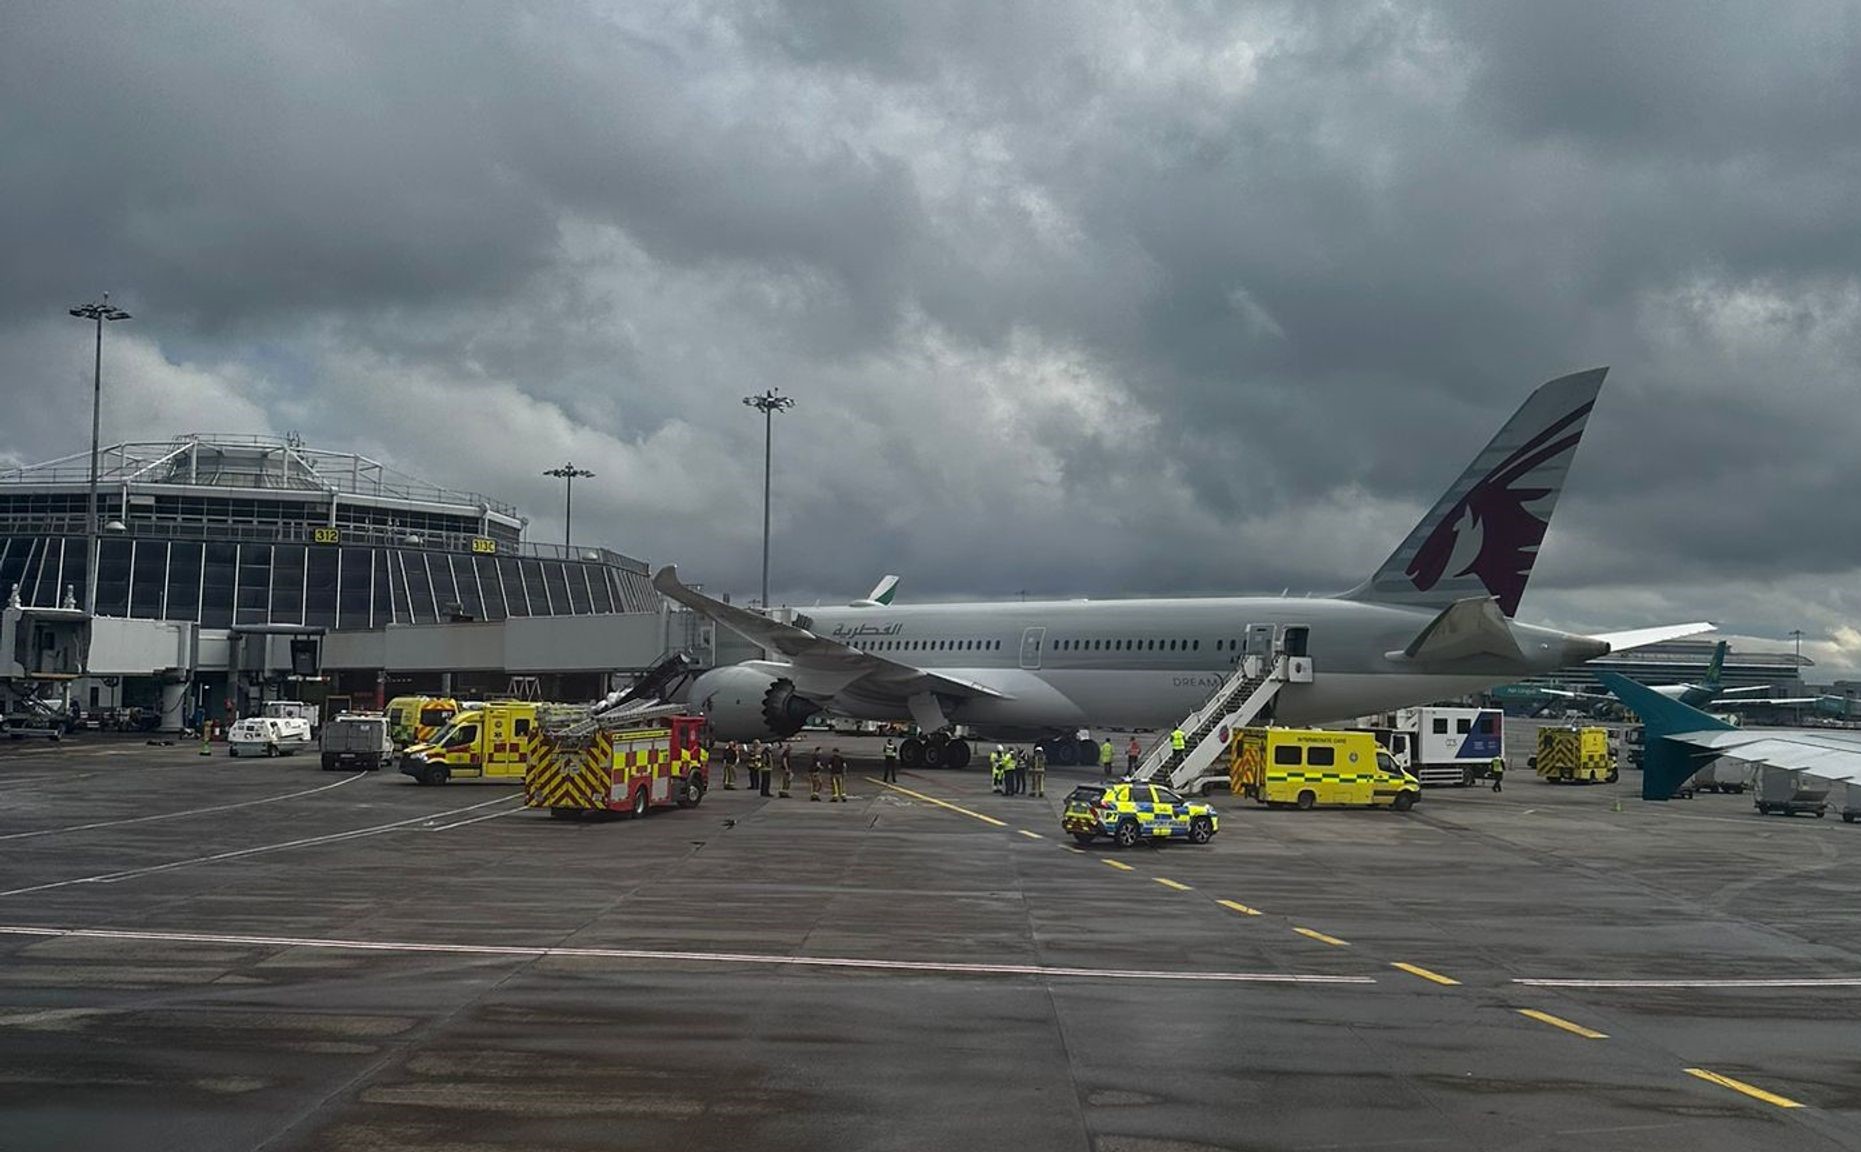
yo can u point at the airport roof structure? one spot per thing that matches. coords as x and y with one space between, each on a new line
274 464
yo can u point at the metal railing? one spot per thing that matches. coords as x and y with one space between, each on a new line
300 533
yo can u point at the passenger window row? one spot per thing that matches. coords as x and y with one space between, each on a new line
927 645
1127 645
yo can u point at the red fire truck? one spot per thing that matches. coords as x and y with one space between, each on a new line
633 762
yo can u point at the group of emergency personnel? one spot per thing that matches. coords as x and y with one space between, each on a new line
1017 771
763 761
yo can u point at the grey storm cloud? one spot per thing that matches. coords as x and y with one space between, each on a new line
1078 299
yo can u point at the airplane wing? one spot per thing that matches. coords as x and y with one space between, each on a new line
1774 701
1642 637
816 652
1680 740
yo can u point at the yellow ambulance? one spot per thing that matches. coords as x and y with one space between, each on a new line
484 742
1313 767
415 719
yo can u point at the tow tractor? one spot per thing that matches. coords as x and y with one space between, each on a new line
630 758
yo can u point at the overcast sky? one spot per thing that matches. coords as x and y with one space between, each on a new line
1077 299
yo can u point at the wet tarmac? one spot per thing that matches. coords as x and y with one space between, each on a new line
198 954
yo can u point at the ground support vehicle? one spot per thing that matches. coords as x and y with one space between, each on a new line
1786 792
1132 810
356 740
1442 746
1722 776
417 719
638 760
484 742
267 736
311 714
1574 755
1851 801
1312 767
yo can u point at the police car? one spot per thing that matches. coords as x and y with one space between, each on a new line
1130 810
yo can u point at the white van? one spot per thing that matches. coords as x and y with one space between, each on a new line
267 736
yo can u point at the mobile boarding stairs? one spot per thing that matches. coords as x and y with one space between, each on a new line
1245 698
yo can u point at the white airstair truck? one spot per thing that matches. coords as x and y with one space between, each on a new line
1272 656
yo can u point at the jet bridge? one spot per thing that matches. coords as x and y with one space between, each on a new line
1273 658
41 652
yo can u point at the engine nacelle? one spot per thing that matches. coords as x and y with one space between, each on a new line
743 703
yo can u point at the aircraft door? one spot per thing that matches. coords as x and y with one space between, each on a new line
1294 639
1259 641
1031 641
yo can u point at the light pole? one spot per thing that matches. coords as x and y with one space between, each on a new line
768 403
1796 634
568 472
97 311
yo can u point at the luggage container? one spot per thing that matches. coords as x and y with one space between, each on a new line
1851 801
1787 791
357 740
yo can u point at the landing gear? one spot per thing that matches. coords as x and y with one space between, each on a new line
956 754
911 752
934 751
1062 752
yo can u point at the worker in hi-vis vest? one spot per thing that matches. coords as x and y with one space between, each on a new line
1105 755
1179 743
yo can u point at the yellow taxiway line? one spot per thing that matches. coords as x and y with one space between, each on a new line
1169 883
1239 907
1750 1090
1560 1022
1322 938
1424 973
940 803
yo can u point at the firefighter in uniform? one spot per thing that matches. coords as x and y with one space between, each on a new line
1105 755
768 766
1498 771
836 768
815 771
995 769
730 766
1039 770
891 762
788 772
1009 768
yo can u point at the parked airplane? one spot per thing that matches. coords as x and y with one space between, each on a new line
1434 622
1710 692
1681 740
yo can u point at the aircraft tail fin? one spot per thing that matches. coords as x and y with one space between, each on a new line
1481 538
1716 667
1665 764
881 595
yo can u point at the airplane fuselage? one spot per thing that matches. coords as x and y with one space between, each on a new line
1147 663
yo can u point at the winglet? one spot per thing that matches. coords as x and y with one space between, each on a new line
1665 763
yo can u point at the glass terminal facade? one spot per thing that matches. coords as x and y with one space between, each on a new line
249 531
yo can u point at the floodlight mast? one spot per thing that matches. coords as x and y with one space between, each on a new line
567 474
97 311
768 403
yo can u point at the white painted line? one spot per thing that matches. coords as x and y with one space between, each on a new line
947 967
331 838
179 815
476 819
1782 982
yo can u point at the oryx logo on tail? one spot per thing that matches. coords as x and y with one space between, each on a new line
1493 531
1482 536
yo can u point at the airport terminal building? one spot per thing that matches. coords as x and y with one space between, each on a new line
264 538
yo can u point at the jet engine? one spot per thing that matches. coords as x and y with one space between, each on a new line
744 703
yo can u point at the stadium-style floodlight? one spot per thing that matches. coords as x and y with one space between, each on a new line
567 473
97 311
768 403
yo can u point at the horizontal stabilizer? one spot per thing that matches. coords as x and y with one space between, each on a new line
1471 627
1642 637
